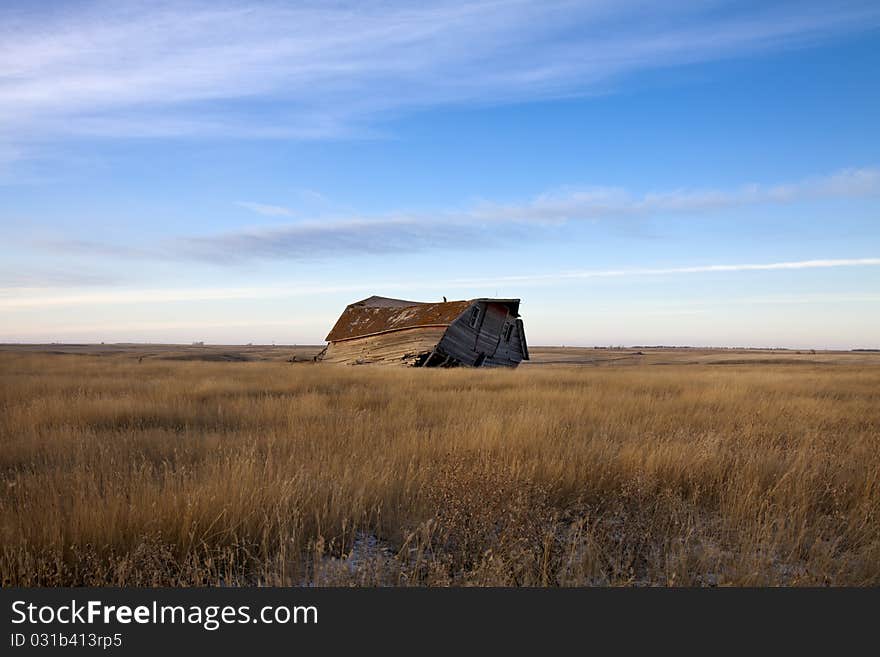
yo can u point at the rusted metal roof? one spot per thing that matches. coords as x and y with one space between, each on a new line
380 315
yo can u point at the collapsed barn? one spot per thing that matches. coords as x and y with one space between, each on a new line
474 333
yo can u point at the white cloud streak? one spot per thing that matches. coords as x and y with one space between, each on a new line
317 70
267 210
699 269
16 298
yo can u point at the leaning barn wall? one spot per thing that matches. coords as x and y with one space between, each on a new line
466 343
509 351
402 347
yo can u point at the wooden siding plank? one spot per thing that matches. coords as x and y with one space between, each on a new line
404 347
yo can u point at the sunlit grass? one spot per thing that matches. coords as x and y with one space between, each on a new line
184 473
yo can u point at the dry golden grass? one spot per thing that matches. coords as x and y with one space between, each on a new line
114 472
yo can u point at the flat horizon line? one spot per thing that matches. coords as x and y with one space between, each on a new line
531 347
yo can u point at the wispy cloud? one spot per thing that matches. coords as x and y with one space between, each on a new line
313 240
698 269
485 224
11 299
315 70
267 210
106 250
604 202
55 278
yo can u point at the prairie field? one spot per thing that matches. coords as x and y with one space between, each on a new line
592 467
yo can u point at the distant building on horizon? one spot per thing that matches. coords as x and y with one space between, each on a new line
473 333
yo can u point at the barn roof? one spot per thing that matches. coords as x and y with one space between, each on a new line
385 302
380 315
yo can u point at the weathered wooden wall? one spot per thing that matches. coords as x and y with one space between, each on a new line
509 352
466 343
404 347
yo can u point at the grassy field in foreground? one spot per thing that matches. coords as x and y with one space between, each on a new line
163 472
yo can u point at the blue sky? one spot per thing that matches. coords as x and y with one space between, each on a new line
685 173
